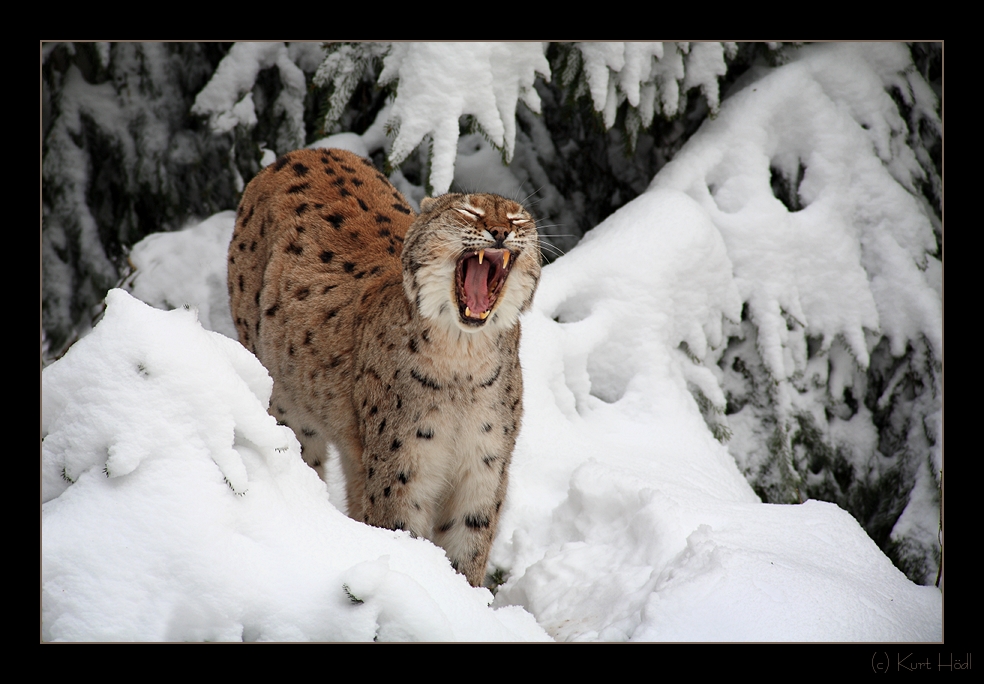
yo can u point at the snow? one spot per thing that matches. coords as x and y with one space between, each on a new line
440 82
227 100
175 508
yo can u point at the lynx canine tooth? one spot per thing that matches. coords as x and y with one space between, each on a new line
481 253
468 312
505 258
484 315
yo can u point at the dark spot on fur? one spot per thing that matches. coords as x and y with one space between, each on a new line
383 219
336 220
308 432
242 282
403 477
363 205
495 376
290 350
272 311
281 162
402 209
489 459
413 345
384 232
486 427
395 445
252 246
426 335
429 434
300 187
303 293
371 472
477 522
280 410
424 380
447 526
356 182
301 208
327 256
331 314
382 426
386 492
307 337
294 248
374 410
242 246
349 267
300 169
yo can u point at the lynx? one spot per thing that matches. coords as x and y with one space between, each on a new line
391 335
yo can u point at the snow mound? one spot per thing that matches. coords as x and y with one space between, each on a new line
175 508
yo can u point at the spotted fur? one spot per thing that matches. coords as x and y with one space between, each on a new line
362 312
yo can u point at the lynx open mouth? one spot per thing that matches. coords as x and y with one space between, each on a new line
478 280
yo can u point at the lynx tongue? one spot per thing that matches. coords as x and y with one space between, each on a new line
476 285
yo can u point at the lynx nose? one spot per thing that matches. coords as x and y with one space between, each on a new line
499 235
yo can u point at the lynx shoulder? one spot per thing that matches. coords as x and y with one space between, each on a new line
392 335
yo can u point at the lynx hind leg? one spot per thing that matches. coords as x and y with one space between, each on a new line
314 443
314 449
350 449
469 520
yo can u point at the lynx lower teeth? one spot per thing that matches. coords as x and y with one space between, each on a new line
468 312
481 253
485 315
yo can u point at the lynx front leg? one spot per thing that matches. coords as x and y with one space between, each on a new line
468 522
401 487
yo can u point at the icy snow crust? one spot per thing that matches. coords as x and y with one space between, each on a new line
175 508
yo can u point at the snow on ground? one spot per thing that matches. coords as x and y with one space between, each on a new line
175 508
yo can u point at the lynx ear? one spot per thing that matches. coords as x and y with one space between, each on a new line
426 204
